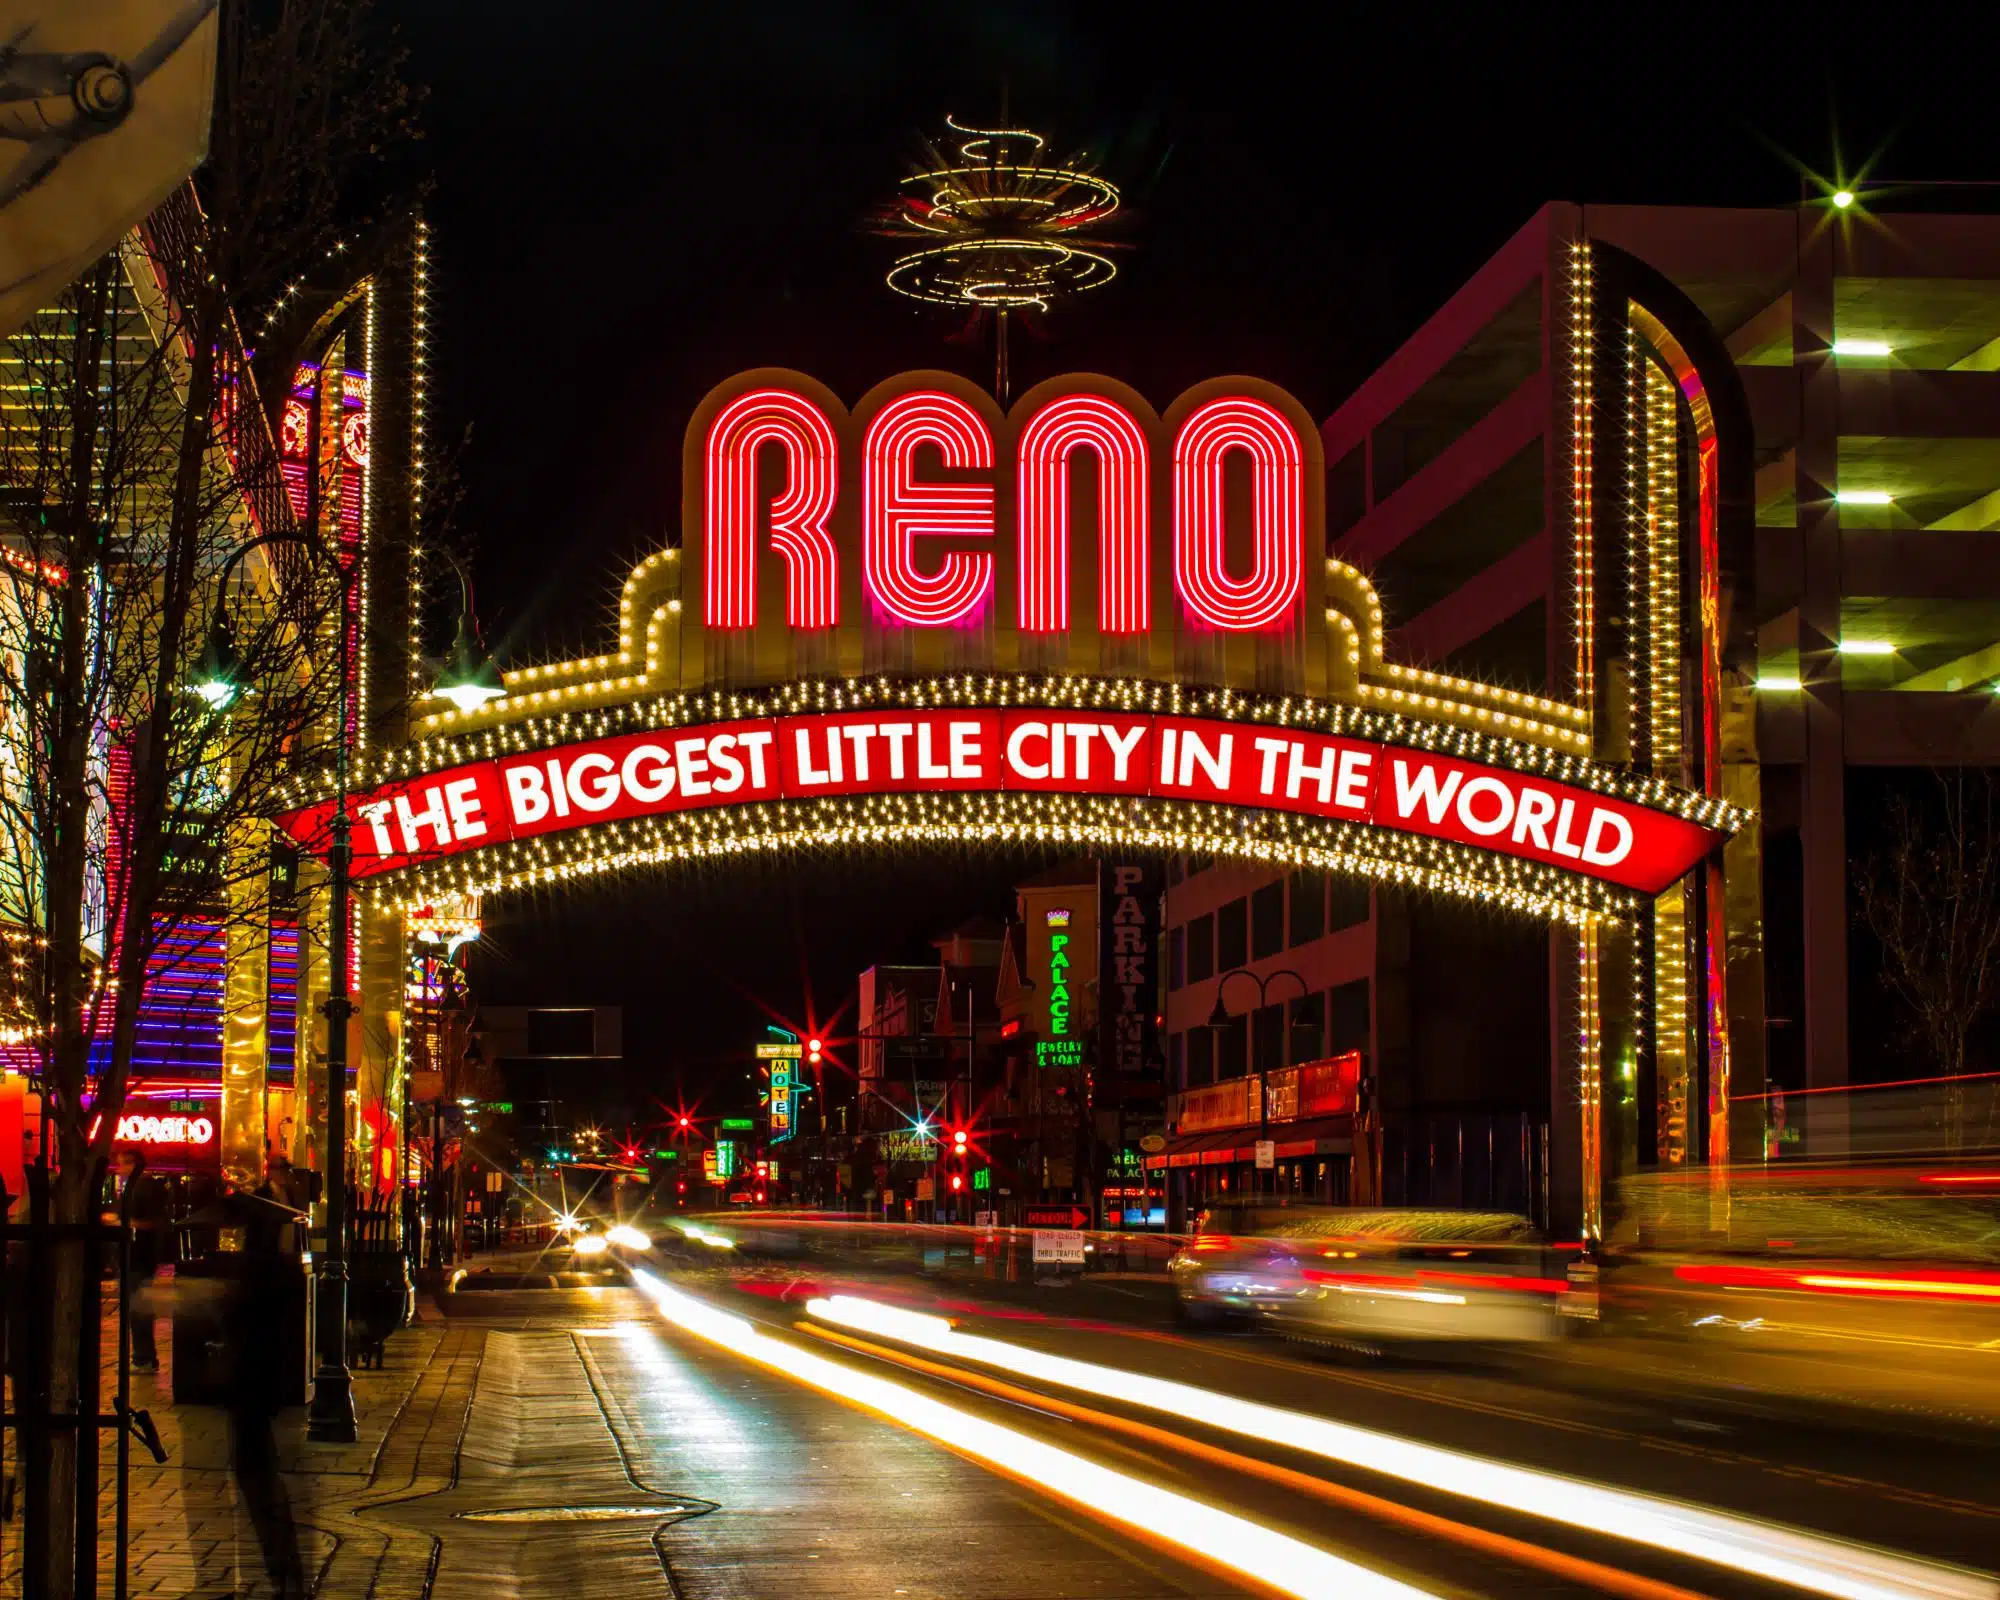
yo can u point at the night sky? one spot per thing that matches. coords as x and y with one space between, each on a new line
633 202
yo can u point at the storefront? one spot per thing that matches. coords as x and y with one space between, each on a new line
1307 1120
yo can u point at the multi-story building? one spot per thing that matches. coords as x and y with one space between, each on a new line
1725 479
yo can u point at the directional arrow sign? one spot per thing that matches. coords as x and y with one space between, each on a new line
1054 1216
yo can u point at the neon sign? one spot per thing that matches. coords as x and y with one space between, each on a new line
926 618
141 1129
1366 783
1059 1047
781 1100
914 492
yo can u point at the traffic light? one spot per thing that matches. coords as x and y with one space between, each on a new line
814 1050
957 1182
958 1141
685 1123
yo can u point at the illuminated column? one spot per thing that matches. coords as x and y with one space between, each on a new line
1589 1041
246 989
1666 742
1574 1168
309 1060
379 1081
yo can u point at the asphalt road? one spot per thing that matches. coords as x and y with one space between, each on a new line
855 1494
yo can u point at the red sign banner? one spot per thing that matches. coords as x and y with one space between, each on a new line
1259 766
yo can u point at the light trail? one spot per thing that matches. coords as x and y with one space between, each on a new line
1627 1585
1215 1537
1763 1550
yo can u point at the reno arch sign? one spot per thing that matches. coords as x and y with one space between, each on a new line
827 755
1079 621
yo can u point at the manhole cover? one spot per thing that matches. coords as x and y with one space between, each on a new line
535 1280
663 1512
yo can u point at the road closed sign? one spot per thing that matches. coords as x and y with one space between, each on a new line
1062 1247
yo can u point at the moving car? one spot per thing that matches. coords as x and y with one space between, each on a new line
1374 1276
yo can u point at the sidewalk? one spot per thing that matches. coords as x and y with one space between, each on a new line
189 1534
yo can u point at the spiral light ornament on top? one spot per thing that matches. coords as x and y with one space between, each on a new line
1008 229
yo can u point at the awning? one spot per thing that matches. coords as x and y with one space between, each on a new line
1315 1136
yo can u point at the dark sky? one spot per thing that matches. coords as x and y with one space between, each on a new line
634 201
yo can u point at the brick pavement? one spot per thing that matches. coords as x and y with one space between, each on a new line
189 1533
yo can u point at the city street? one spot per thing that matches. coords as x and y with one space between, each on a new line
629 1440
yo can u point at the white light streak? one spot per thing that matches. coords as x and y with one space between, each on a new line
1283 1563
1742 1544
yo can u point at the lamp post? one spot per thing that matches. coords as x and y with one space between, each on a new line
332 1414
1219 1019
469 678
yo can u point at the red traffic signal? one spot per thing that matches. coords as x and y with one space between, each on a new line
957 1183
685 1124
958 1141
813 1049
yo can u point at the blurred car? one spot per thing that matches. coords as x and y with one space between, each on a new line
1375 1277
1868 1282
1241 1262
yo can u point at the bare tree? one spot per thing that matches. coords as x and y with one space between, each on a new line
1931 897
136 466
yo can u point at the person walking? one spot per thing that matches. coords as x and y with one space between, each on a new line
142 1207
252 1339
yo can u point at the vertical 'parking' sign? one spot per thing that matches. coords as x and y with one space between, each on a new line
1128 968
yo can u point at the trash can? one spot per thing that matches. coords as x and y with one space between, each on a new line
202 1290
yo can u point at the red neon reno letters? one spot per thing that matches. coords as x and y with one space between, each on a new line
929 751
922 487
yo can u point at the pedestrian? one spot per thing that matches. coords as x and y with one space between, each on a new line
254 1343
142 1207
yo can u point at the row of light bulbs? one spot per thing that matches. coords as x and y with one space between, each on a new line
984 690
1184 827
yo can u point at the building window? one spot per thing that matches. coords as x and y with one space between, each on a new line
1267 920
1308 908
1177 974
1308 1035
1177 1061
1232 1048
1201 948
1232 935
1347 1009
1350 903
1176 869
1267 1038
1200 1056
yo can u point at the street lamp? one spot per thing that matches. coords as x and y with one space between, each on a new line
218 681
218 677
1219 1019
469 678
